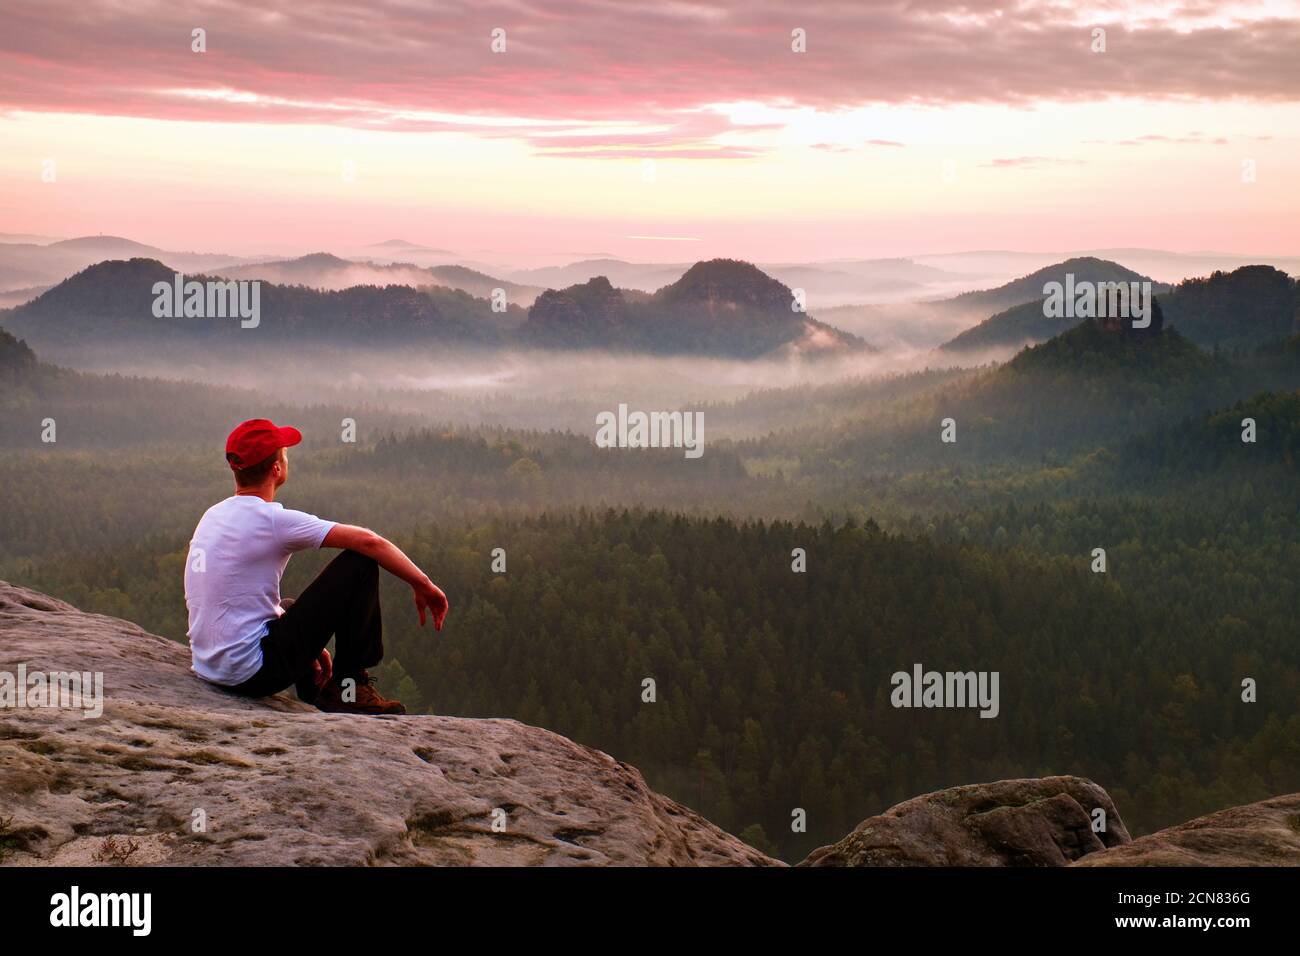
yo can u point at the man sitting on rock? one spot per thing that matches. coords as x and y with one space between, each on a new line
240 635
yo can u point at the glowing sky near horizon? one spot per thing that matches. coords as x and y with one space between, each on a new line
684 131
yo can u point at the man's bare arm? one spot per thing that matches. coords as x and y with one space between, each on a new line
428 596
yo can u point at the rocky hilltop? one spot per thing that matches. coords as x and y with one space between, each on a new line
278 782
176 772
722 307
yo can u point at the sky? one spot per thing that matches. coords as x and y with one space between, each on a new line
669 131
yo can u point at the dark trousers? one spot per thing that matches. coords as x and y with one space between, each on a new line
343 601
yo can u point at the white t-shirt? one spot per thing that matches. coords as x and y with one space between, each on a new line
232 581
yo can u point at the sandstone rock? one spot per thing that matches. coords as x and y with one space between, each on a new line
1259 834
278 782
1033 822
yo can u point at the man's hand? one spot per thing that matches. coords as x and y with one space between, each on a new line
322 667
429 598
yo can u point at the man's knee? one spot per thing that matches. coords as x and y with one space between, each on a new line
358 563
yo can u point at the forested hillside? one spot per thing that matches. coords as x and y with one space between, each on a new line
1082 390
1245 307
1030 288
16 359
718 308
114 300
772 684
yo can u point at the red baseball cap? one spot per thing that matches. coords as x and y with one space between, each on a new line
257 440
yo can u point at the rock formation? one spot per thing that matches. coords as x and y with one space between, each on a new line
176 772
1047 822
1259 834
1034 822
721 307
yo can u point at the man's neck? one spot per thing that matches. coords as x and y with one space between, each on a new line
265 492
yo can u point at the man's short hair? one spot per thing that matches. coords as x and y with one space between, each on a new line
254 474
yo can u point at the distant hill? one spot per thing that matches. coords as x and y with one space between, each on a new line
1172 267
1086 388
1020 325
26 264
99 300
1091 385
482 285
1029 288
107 247
1090 350
398 246
826 283
1245 307
591 312
721 307
840 286
15 297
644 276
27 238
1018 317
115 299
319 270
16 359
322 270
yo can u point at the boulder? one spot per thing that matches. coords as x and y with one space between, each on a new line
177 772
1033 822
1257 834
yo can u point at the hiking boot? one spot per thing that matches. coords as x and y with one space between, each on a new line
368 700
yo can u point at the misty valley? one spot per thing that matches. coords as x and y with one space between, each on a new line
877 577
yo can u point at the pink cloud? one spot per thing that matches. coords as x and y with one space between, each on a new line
1190 139
1022 162
395 66
688 135
847 148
